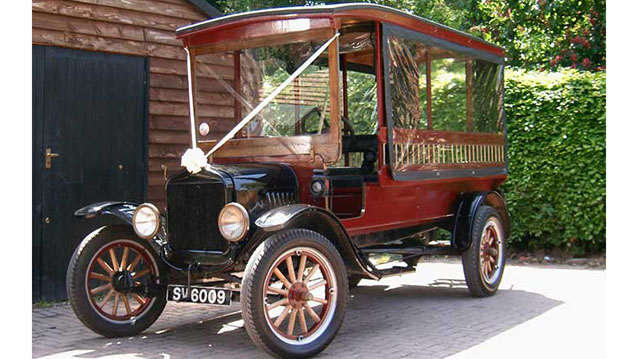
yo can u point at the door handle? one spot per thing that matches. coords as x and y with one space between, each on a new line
47 157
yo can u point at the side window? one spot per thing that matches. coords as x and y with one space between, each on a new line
449 111
487 102
362 102
406 83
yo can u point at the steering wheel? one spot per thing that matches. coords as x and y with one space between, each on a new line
348 129
307 115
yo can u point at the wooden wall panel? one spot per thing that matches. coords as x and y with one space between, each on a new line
145 28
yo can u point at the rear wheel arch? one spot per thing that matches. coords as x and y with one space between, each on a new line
466 212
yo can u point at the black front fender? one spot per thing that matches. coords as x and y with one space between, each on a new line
316 219
121 210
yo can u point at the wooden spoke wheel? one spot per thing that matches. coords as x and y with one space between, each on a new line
299 294
294 293
108 282
490 251
484 260
115 277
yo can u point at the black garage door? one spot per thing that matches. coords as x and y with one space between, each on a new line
90 113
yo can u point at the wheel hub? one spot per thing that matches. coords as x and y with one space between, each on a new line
298 294
122 281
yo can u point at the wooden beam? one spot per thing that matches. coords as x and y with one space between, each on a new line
468 93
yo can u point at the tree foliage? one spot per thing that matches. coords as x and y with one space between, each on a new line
537 34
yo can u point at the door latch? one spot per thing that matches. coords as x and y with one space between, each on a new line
47 157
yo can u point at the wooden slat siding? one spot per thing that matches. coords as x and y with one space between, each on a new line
146 28
169 136
181 83
150 7
109 14
176 67
181 109
87 27
206 98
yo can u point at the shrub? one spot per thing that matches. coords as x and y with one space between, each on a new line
556 137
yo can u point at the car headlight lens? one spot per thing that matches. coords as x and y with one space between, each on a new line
233 222
146 220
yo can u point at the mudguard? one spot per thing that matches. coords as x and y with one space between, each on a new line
469 204
121 210
319 220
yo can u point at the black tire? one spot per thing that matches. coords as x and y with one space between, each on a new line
259 271
479 282
77 281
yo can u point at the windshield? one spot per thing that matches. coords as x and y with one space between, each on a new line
227 95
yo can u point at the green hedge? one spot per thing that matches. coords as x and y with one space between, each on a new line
556 135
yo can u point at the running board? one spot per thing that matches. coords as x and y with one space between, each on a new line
411 251
394 271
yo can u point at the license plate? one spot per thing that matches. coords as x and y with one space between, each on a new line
204 295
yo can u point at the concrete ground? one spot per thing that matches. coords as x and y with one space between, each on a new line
538 312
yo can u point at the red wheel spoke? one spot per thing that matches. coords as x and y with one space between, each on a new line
273 290
100 289
291 322
142 273
317 285
138 298
318 300
302 267
312 272
302 320
99 276
282 278
277 304
105 266
124 258
134 263
106 299
291 270
312 313
116 302
126 305
283 316
114 261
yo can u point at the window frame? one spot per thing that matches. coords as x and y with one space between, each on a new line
461 170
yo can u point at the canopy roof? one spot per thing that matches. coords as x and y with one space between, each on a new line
358 12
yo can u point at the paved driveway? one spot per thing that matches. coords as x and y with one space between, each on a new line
539 312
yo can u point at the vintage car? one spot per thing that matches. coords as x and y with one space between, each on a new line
345 132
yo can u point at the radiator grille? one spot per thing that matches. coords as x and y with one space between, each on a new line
192 211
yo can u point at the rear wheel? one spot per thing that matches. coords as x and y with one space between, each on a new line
294 293
484 261
107 280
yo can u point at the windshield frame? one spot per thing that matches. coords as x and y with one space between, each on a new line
326 145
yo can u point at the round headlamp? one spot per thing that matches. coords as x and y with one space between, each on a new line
233 222
146 220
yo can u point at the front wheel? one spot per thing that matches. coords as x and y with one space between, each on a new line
484 261
108 279
294 294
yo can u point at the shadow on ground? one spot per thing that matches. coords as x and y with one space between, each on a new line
433 321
